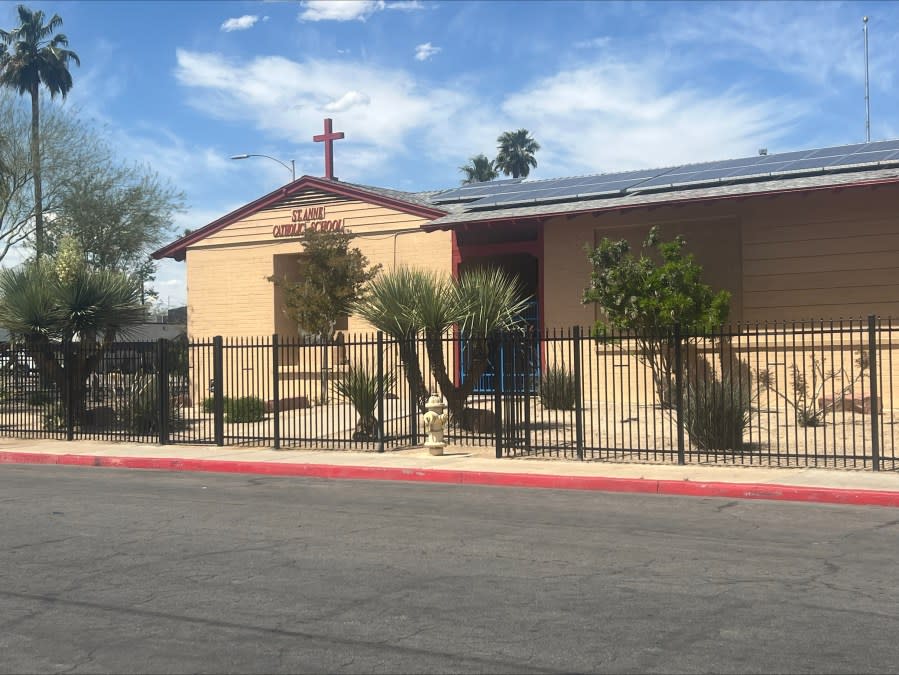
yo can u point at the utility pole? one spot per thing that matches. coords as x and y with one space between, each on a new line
867 95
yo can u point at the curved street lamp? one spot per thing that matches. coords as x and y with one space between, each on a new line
292 168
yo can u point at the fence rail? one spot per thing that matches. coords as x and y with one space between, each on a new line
786 394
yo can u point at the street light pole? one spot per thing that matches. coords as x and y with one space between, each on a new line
292 168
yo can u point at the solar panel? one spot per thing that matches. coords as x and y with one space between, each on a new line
472 190
866 158
580 188
837 151
882 145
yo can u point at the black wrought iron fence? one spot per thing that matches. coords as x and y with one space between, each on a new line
784 394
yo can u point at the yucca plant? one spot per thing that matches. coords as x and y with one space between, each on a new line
360 388
67 315
407 303
390 304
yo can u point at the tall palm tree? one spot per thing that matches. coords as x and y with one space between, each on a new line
34 54
515 153
479 169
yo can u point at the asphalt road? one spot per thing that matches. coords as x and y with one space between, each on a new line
106 570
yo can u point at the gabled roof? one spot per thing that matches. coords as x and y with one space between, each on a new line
404 202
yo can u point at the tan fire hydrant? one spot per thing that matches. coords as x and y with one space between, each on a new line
434 421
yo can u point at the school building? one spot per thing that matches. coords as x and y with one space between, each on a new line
792 236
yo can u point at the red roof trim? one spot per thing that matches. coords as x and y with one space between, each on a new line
178 248
596 211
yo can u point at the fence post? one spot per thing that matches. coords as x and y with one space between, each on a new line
162 384
69 360
413 395
498 408
380 391
679 394
218 394
276 390
578 402
875 402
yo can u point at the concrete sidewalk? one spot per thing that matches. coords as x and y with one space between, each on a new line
474 466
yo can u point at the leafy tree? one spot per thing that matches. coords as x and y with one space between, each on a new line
479 169
647 298
69 148
332 275
408 303
35 54
515 153
117 214
51 306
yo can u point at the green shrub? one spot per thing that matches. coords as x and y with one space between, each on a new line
40 397
360 388
558 389
209 404
244 409
716 413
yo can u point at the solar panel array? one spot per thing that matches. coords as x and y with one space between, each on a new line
520 192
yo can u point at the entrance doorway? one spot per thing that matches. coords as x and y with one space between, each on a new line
514 363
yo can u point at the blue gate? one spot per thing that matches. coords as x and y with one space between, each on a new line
516 358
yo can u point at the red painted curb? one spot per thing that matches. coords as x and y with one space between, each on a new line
558 482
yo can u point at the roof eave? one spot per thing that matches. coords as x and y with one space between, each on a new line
596 210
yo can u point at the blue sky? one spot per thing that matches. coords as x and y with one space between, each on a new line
418 87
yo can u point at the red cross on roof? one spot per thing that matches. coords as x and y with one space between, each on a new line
328 138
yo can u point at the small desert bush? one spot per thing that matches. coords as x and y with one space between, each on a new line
558 389
244 409
716 412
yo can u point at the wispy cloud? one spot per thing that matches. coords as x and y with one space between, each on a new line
588 118
425 51
819 47
240 23
351 99
627 115
594 43
339 10
351 10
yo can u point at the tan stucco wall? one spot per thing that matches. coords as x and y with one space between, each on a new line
787 257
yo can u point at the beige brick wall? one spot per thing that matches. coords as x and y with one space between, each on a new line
227 286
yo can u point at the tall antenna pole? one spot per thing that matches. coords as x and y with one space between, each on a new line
867 96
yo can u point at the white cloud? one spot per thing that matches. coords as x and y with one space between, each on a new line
351 99
340 10
614 116
405 5
240 23
425 51
817 46
288 99
590 118
352 10
594 43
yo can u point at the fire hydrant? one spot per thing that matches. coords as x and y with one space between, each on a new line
434 421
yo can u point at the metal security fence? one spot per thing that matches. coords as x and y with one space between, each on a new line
778 394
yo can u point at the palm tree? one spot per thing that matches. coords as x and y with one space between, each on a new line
32 56
515 153
479 169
